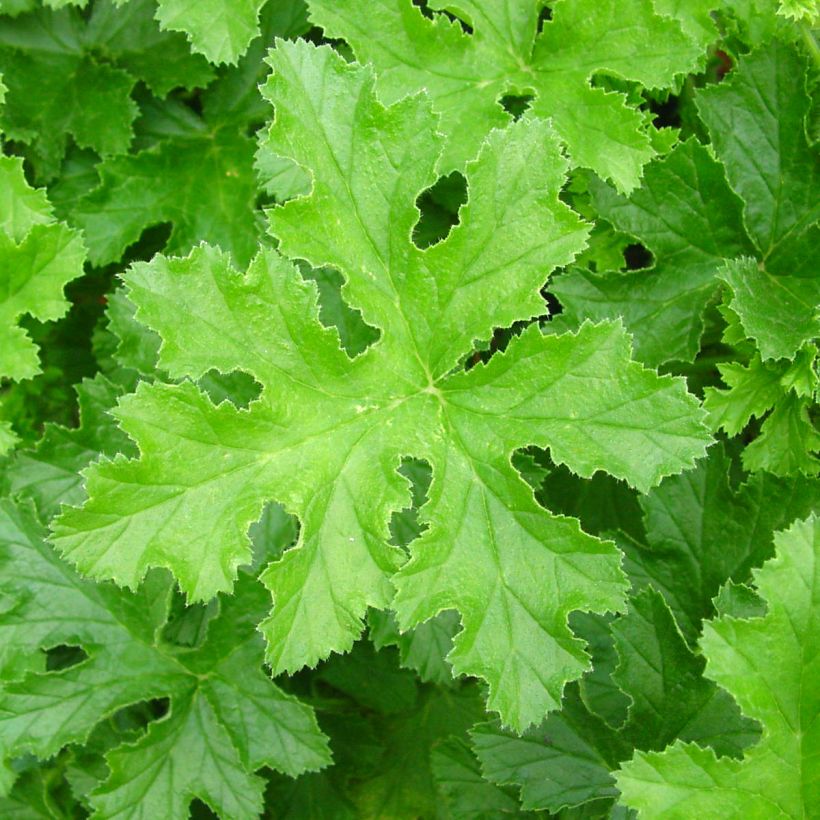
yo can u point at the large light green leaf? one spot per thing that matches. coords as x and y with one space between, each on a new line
510 51
772 667
226 718
38 257
328 433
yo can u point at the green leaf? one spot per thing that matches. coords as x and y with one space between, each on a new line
700 533
219 29
467 796
569 760
663 305
770 665
787 442
198 176
806 10
49 474
327 433
424 648
757 122
509 52
226 718
38 257
68 76
752 391
780 313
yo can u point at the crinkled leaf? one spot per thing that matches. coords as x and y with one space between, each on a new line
508 51
219 29
38 257
787 442
688 217
49 474
569 759
327 434
780 313
68 76
757 122
701 533
771 665
226 717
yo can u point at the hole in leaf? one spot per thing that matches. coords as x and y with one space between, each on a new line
498 342
151 242
274 532
201 811
425 9
404 524
637 257
516 104
439 208
355 334
64 657
667 112
544 17
188 623
237 387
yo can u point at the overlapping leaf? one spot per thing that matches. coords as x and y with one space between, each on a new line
770 664
68 76
691 220
38 257
569 759
327 434
512 50
225 720
701 533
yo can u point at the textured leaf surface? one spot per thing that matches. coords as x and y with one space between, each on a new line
770 665
569 759
700 533
328 432
219 29
51 58
226 718
198 176
49 474
662 306
780 313
38 257
508 52
757 122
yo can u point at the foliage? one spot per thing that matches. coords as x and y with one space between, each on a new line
408 409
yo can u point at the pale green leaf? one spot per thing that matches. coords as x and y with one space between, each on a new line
327 434
509 52
780 313
788 441
219 29
38 257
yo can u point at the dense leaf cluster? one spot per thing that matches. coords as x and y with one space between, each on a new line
409 409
